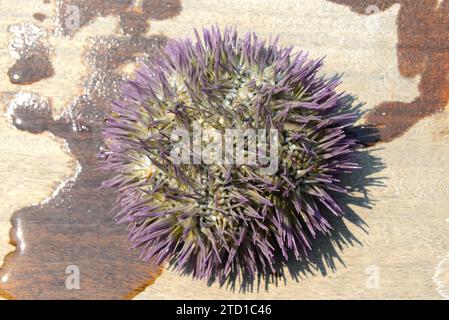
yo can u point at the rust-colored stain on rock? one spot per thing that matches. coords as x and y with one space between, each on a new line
89 10
39 16
423 50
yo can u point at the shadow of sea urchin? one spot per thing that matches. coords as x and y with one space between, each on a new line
219 219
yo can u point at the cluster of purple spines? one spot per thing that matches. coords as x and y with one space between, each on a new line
217 220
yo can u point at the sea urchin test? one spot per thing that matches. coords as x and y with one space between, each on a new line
227 153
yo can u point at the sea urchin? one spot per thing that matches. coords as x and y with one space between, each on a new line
219 218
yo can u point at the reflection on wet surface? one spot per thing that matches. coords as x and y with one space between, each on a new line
32 55
75 226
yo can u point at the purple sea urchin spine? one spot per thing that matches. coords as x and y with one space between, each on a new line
217 219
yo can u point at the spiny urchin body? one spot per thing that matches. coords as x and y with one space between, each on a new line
217 219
